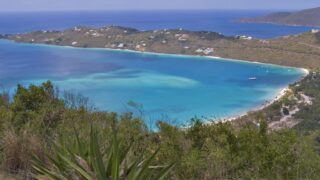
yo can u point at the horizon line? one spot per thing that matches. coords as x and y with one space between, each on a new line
168 9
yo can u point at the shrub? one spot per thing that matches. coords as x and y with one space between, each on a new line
18 150
285 111
88 160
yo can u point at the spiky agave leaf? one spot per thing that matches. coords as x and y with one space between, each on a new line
86 160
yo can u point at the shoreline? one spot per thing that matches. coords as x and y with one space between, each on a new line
158 53
278 96
281 93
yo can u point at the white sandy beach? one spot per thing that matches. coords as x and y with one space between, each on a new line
279 95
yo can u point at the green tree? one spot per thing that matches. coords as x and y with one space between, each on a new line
29 103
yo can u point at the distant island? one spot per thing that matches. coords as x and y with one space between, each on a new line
301 50
307 17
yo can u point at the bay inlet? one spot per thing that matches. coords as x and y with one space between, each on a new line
172 88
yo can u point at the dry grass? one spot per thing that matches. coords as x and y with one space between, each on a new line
18 150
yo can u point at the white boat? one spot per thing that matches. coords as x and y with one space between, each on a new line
252 78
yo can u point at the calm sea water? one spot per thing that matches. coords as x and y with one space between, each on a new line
170 87
219 21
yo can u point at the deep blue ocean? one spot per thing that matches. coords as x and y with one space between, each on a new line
221 21
171 88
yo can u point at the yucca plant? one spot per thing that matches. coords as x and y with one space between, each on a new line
87 160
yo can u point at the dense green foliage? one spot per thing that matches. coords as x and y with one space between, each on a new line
310 114
38 123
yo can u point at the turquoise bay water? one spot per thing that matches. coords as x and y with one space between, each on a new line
170 87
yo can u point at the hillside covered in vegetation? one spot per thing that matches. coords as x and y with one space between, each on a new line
306 17
38 125
301 50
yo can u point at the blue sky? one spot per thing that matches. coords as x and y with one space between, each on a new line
52 5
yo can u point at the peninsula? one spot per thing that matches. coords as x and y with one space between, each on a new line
307 17
301 50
